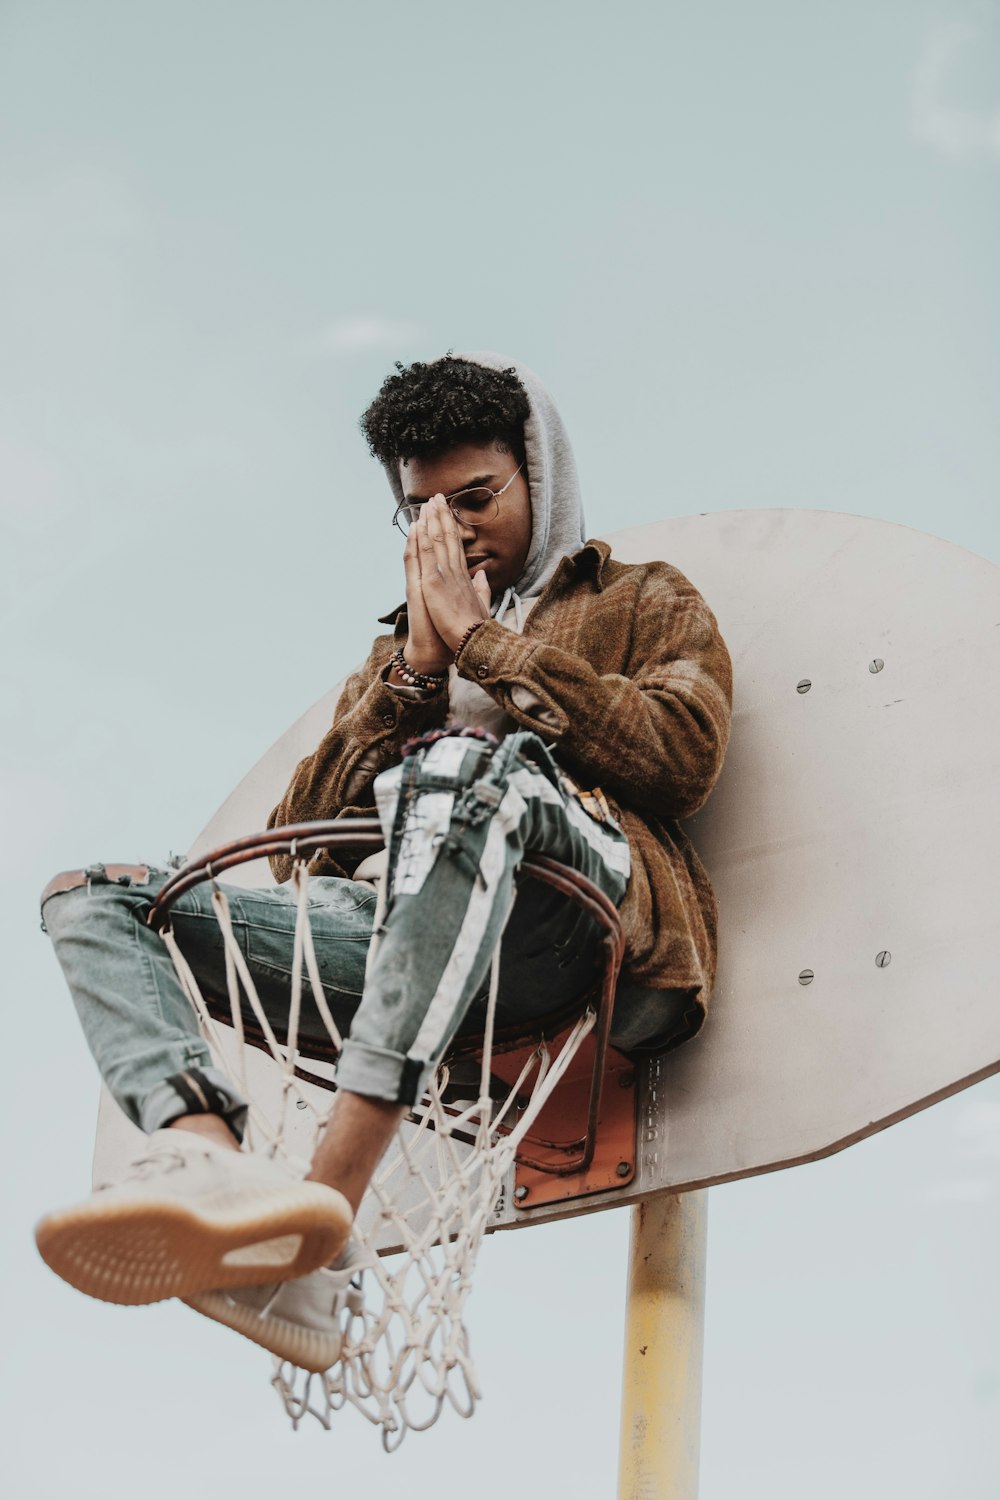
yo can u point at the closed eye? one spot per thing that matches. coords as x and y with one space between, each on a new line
472 500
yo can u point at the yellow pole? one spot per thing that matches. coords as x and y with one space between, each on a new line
664 1322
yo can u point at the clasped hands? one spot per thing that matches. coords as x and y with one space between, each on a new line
442 598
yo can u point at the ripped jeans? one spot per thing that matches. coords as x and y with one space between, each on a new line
458 815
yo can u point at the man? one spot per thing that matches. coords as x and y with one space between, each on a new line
534 696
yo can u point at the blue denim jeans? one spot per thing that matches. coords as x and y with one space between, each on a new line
459 816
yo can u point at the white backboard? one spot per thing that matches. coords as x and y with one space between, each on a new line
852 836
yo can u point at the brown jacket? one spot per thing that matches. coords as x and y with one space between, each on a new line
622 670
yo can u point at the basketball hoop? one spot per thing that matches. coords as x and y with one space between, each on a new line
405 1347
825 862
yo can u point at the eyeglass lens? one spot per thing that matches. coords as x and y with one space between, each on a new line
472 507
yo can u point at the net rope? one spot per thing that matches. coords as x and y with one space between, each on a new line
405 1353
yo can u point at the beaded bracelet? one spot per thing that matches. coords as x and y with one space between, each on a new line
411 676
466 637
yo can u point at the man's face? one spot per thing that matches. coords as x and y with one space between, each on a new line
498 547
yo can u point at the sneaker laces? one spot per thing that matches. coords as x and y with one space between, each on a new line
167 1160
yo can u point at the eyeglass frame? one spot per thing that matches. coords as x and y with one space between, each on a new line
469 490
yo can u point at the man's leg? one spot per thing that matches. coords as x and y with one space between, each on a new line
137 1021
462 817
156 1237
135 1015
355 1140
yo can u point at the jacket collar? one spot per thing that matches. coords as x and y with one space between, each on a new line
590 560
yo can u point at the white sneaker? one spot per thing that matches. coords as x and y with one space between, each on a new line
301 1320
190 1216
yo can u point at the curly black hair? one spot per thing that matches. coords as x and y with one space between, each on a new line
426 409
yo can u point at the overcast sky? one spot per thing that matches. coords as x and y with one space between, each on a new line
752 250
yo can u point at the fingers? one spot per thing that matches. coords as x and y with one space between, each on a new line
440 537
416 608
411 560
482 588
423 543
444 528
425 649
451 598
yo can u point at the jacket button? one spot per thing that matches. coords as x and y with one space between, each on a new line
388 720
482 671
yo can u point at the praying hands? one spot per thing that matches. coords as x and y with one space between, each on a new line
442 598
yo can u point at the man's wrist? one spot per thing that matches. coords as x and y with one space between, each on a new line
399 687
466 636
427 665
405 671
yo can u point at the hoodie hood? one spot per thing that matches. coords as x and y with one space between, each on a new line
557 526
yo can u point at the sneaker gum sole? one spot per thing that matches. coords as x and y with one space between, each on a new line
133 1253
305 1347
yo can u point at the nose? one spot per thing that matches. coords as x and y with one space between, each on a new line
466 532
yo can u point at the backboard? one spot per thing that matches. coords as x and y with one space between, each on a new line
851 842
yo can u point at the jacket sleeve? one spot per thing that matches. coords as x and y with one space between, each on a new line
652 735
370 725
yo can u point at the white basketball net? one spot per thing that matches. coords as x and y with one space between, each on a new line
405 1351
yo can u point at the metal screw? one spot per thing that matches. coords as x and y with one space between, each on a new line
626 1081
803 686
520 1193
301 1104
806 977
883 959
876 665
623 1168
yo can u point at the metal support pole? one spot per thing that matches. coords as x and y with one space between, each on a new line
665 1316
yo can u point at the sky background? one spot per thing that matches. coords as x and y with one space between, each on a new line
752 251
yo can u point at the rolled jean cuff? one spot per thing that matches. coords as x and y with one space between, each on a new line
381 1074
195 1091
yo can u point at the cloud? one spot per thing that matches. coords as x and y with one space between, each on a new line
950 129
360 334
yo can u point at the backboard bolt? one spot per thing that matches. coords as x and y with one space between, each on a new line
803 686
883 959
623 1168
806 977
520 1193
876 665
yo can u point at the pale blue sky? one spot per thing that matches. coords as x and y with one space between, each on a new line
752 251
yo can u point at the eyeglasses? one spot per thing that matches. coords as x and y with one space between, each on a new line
469 507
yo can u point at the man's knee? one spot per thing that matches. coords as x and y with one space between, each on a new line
449 746
96 874
442 760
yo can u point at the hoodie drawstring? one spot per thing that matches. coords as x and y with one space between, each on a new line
508 597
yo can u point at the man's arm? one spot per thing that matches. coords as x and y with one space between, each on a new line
371 723
652 736
377 713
